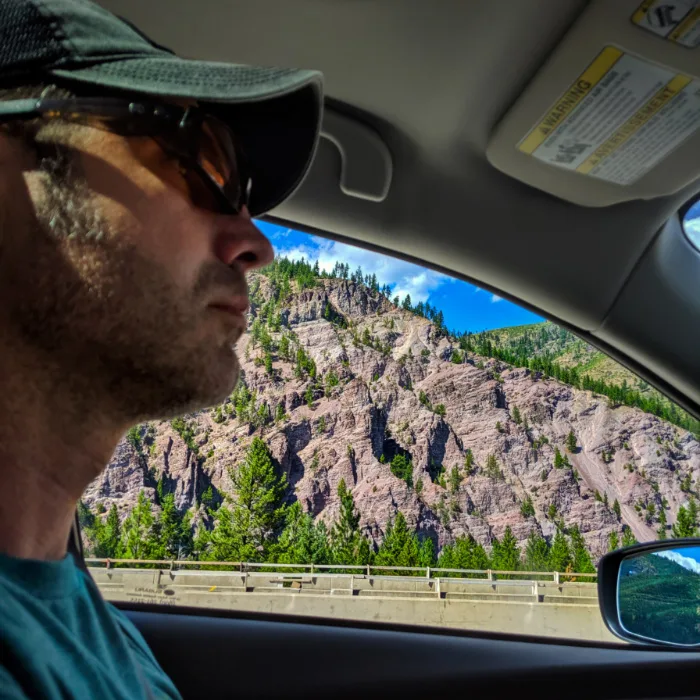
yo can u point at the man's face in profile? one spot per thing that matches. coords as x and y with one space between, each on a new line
120 277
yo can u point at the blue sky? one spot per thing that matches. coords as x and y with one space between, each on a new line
466 307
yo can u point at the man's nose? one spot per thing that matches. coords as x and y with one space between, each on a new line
240 241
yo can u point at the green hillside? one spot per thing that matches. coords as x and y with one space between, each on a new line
659 599
548 340
554 351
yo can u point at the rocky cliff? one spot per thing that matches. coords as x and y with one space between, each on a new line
388 382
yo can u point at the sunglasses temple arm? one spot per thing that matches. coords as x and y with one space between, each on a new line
19 109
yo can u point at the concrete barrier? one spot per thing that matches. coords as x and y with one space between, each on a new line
565 610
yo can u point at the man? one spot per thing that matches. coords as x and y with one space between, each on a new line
128 177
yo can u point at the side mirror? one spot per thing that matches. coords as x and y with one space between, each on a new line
650 593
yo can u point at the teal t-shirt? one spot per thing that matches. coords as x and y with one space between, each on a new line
60 639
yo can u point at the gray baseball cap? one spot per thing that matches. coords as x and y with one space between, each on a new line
275 112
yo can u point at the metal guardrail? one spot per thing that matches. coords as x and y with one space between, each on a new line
430 572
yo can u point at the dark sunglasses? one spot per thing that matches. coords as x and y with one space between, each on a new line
201 142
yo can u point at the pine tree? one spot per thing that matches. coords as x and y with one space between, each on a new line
400 546
455 480
465 553
617 510
684 525
469 466
402 467
85 516
302 541
208 497
693 511
505 555
345 533
246 530
492 469
517 418
613 541
527 509
112 535
661 532
560 554
284 348
571 442
559 461
581 557
137 537
167 531
426 553
536 553
628 538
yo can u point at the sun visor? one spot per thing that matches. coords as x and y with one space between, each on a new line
614 113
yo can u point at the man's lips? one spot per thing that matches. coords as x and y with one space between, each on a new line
237 306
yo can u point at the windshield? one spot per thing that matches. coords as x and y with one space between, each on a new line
401 446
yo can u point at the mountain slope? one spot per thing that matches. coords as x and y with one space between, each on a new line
339 382
551 343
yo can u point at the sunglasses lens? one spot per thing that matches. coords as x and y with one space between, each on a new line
218 157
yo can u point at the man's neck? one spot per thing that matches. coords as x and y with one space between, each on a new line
51 448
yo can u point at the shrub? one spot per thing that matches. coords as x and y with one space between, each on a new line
402 468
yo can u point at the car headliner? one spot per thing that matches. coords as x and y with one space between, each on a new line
433 78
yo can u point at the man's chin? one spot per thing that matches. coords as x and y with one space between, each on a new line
197 388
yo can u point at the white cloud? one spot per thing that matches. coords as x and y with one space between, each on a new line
405 278
686 562
495 298
692 229
297 252
280 233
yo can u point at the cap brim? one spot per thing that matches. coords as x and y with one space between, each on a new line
275 112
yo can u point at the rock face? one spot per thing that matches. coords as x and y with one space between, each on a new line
352 430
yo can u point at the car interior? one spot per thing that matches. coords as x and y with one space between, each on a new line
422 155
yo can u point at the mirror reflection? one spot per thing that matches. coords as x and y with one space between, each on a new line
691 224
659 595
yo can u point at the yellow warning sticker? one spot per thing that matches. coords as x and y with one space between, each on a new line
677 21
621 117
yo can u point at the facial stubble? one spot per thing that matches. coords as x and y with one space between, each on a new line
117 331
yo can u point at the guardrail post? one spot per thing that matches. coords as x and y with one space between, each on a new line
536 591
368 574
489 574
427 572
556 577
437 588
109 564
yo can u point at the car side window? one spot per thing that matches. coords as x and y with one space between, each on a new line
401 446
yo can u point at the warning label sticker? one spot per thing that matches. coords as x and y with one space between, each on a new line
618 119
677 21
